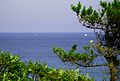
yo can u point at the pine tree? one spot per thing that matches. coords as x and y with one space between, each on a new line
106 19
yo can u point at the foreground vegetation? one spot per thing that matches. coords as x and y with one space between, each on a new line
13 69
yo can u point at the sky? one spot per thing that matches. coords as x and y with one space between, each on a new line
41 16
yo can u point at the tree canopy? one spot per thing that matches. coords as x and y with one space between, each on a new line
13 69
106 19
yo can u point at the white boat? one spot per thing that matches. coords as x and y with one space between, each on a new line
85 34
35 34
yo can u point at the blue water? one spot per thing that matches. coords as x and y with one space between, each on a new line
39 46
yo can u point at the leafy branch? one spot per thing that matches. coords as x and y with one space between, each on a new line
13 69
85 59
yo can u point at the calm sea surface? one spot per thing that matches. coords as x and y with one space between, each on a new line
39 46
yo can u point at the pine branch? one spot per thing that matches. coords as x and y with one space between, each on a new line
92 65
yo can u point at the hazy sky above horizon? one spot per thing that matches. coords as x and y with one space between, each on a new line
40 16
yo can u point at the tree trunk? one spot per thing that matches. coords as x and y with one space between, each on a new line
113 75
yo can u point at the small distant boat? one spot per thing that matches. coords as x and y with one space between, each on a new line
85 34
35 34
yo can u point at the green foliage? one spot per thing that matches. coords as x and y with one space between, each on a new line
90 10
81 59
76 9
107 19
13 69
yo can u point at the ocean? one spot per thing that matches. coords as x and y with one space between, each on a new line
38 46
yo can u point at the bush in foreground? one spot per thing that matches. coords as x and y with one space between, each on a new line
13 69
